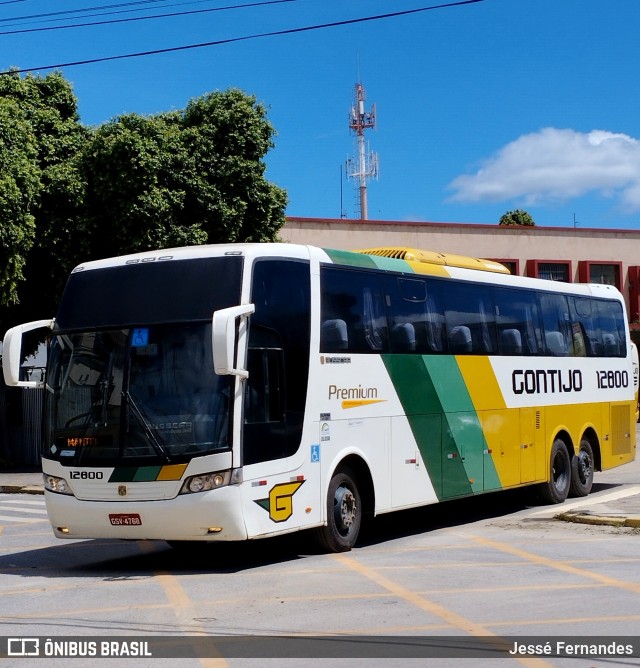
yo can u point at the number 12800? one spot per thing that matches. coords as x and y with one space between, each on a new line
86 475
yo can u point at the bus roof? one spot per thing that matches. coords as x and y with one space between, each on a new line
390 258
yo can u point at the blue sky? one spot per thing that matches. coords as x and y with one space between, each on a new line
481 108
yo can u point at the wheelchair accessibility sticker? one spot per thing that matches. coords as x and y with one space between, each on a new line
315 454
279 504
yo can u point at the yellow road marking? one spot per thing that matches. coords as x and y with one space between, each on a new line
565 620
449 616
182 606
558 565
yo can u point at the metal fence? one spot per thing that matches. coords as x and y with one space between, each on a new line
20 426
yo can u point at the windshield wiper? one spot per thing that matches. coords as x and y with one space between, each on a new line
149 433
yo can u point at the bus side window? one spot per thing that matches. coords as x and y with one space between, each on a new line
374 318
333 336
415 318
585 317
517 322
264 391
556 344
470 314
557 324
511 342
613 327
460 340
403 337
579 340
352 312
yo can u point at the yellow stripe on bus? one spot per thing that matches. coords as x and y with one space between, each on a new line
172 472
428 269
355 403
500 426
481 382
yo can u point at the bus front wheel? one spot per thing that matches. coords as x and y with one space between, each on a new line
582 470
556 489
344 514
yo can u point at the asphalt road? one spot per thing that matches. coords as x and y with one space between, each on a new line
497 566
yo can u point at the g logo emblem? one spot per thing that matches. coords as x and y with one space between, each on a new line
280 502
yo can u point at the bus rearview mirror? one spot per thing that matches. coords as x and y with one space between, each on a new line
223 338
12 352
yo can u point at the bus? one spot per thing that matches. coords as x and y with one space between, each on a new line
232 392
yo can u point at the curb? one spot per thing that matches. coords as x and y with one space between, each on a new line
606 520
21 489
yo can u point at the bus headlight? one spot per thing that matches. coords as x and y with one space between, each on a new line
57 485
205 482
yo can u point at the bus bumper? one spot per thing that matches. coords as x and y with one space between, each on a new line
206 516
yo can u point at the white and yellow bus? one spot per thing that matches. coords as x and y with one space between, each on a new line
232 392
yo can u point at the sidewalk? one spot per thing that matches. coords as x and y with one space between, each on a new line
21 481
619 507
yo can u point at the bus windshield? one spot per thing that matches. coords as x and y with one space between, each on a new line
146 393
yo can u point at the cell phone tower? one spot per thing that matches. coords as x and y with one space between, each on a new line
365 166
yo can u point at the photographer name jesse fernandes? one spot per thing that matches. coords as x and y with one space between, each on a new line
573 649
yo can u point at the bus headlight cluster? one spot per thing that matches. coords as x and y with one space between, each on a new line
57 485
205 482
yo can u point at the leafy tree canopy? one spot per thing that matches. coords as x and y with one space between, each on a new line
70 193
52 196
516 217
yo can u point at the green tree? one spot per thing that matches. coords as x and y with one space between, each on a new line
516 217
19 188
41 190
69 193
187 177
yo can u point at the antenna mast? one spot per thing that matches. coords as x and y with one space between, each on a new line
365 166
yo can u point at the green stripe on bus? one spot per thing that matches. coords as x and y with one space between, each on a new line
424 412
123 474
369 261
464 429
444 423
147 473
463 423
350 258
135 474
391 264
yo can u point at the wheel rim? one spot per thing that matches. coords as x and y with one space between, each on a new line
584 466
344 509
560 472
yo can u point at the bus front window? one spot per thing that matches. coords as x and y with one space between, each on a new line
137 393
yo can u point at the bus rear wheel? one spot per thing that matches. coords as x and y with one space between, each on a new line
582 470
556 489
344 514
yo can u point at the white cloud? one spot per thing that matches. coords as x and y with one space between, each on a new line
557 165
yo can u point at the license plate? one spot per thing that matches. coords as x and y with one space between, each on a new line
125 519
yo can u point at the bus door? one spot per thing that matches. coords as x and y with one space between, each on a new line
463 447
278 484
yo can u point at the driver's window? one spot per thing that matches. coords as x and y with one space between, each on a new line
264 394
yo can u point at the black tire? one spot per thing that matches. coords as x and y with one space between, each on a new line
556 489
582 470
344 514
